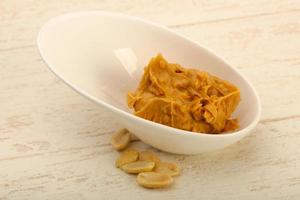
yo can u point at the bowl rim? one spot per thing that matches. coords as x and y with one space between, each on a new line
115 110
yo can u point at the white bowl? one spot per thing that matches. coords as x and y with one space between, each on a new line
101 55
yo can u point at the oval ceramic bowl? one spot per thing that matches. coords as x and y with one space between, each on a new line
101 55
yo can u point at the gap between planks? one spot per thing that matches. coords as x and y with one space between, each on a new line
233 18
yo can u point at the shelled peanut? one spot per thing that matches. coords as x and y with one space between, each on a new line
151 171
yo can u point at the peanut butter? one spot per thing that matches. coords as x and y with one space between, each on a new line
187 99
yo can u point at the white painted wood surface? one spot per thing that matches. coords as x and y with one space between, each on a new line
54 143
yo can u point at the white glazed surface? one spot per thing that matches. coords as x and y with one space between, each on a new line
101 55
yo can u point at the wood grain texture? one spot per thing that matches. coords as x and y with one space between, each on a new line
54 144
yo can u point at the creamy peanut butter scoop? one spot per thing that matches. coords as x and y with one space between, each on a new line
187 99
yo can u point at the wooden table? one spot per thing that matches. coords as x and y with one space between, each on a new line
54 144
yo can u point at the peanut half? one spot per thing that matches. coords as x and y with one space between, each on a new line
120 139
167 168
138 166
126 157
149 156
154 180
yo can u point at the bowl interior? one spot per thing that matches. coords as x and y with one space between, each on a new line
103 55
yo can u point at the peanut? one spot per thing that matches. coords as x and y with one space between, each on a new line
154 180
149 156
167 168
126 157
138 166
120 139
